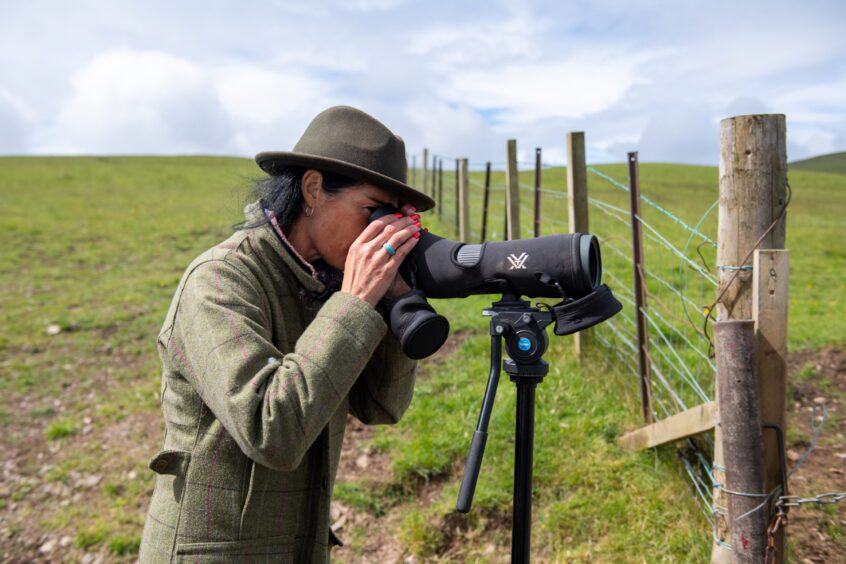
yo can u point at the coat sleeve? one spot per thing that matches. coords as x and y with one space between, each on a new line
273 405
384 390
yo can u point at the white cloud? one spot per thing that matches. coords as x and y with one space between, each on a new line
239 78
126 101
573 87
15 120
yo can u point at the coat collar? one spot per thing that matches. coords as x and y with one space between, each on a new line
275 246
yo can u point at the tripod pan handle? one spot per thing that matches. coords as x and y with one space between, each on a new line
471 471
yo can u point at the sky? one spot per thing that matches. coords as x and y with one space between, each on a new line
458 77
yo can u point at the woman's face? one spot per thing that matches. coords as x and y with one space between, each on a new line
338 219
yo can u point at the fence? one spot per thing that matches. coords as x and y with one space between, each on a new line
673 271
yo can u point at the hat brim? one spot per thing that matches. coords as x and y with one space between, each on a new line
270 160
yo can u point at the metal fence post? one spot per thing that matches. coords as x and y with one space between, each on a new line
640 290
537 191
486 199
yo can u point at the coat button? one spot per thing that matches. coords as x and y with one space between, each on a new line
161 465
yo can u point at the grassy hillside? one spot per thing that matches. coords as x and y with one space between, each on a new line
96 246
834 163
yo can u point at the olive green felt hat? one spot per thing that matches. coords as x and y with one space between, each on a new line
347 141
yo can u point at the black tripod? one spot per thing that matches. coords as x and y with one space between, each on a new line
523 328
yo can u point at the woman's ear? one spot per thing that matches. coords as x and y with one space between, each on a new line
311 186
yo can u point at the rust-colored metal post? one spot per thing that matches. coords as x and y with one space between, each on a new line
640 289
487 198
537 190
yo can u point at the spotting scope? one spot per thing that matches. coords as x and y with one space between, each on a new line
567 267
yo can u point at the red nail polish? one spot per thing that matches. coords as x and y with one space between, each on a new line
416 235
398 215
415 216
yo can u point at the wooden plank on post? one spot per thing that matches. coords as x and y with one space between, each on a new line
640 290
512 192
753 191
537 191
740 425
682 425
486 200
577 205
769 310
463 202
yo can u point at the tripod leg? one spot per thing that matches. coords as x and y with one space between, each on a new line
480 436
521 528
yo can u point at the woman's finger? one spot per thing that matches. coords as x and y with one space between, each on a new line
398 238
376 227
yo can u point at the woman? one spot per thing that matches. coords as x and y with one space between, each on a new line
273 336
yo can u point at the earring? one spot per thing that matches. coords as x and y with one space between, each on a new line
309 211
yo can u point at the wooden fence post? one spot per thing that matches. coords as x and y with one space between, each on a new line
463 202
740 425
434 175
455 195
440 187
414 170
753 191
537 191
577 205
486 200
512 192
425 175
640 290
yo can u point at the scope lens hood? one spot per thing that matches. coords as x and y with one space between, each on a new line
585 312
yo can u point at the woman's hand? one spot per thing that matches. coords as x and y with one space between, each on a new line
370 270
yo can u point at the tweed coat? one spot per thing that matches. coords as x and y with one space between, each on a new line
259 373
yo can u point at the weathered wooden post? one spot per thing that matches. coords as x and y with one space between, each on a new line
414 170
463 202
434 175
577 205
753 193
455 195
425 175
512 192
740 426
440 187
640 290
486 200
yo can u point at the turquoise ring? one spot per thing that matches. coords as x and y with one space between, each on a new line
391 251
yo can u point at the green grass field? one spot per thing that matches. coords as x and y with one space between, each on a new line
96 246
833 163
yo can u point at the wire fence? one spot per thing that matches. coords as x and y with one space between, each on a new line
679 257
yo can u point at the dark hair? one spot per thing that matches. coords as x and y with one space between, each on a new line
282 193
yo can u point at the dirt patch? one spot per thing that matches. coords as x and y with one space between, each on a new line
818 378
